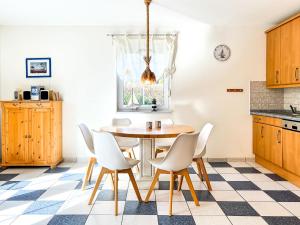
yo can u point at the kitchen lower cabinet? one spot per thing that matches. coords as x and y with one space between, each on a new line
291 151
258 139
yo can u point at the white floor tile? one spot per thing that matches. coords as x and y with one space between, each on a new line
25 176
269 209
211 220
55 195
143 219
293 207
210 170
104 220
14 207
239 164
198 185
32 219
220 186
254 164
179 208
255 196
39 185
205 209
295 192
76 204
289 185
226 170
234 177
6 194
163 196
263 170
232 196
247 220
269 185
107 208
257 177
7 220
65 185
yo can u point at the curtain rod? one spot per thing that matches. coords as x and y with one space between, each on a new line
174 34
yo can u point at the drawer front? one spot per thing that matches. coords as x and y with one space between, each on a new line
27 105
268 120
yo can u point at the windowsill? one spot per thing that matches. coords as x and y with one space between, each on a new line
144 111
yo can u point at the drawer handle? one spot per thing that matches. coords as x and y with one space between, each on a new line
262 132
26 136
276 75
297 74
279 136
39 104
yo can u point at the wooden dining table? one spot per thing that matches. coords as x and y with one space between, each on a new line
147 144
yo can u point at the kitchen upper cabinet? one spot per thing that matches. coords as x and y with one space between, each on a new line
283 54
290 52
273 144
273 57
258 139
291 151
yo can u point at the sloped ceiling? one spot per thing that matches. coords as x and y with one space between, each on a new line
132 12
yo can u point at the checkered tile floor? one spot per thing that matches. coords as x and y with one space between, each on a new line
243 194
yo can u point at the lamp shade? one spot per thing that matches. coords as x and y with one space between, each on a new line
148 77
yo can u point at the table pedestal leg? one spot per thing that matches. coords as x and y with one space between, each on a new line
147 148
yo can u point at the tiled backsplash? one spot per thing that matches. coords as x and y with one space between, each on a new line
269 99
292 97
264 98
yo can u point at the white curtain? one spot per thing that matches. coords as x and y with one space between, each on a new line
131 49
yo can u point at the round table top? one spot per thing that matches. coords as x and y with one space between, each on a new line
166 131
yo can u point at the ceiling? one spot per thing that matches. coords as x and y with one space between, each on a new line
132 12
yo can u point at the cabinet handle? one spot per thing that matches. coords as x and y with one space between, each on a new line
261 132
297 74
25 136
279 136
29 136
276 76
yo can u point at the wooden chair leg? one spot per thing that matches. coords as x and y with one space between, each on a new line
199 170
112 181
155 179
88 172
180 183
171 192
205 174
135 187
91 173
116 192
191 187
97 185
134 157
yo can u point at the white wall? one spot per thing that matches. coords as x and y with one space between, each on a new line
83 65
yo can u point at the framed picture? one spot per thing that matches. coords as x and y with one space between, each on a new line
38 67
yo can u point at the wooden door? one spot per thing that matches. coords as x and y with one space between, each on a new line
16 135
258 139
273 144
273 57
40 134
290 52
291 151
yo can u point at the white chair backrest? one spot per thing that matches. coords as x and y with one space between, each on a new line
181 153
121 122
108 153
203 138
87 135
167 122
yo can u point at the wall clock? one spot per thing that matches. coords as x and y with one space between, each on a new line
222 53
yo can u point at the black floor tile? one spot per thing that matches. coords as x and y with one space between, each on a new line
140 208
215 177
275 177
57 170
274 220
14 185
165 185
191 170
176 220
243 185
108 195
237 209
7 177
220 164
27 195
283 196
247 170
202 196
68 220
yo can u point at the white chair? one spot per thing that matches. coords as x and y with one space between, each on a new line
112 160
163 144
176 162
200 152
126 144
88 138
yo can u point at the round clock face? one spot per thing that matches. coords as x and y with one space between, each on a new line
222 52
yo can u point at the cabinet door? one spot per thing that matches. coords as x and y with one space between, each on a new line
291 151
16 136
273 57
258 139
290 54
40 134
273 144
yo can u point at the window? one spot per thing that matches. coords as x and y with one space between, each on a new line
131 94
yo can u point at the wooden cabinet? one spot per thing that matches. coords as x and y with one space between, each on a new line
258 139
283 55
31 133
273 57
291 151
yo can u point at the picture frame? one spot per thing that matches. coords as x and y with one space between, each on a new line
38 68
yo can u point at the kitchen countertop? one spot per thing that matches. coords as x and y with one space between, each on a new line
281 114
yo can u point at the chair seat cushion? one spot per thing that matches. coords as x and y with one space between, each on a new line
127 142
156 162
132 162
